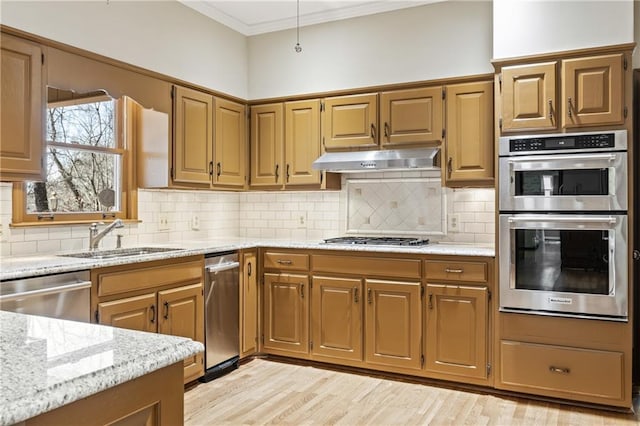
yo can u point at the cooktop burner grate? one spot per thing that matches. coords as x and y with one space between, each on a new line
380 241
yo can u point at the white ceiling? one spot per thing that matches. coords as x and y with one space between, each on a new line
251 17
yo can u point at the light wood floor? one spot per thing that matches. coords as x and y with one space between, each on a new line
268 392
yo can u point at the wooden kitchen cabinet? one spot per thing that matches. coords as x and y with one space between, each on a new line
529 97
192 136
267 133
336 318
350 122
22 110
302 142
457 319
411 117
164 296
230 144
248 304
393 323
286 314
469 147
182 314
593 91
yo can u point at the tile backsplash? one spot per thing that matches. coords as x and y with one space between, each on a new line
292 215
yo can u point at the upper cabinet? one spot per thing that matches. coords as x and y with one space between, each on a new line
209 140
192 136
22 110
469 134
267 132
350 122
410 117
564 94
302 142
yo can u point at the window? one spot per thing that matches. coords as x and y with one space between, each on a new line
87 162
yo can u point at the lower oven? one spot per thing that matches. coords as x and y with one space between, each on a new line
564 265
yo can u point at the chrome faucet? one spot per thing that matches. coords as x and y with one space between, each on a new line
95 236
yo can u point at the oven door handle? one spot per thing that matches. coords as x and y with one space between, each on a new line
608 220
589 160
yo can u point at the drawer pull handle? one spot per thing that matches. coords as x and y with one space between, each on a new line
559 370
284 262
166 310
355 295
430 300
369 296
454 271
152 311
301 291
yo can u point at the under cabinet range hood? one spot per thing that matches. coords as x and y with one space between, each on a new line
388 159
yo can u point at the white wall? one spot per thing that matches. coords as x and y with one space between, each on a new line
420 43
528 27
163 36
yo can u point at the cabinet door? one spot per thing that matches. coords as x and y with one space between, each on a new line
249 306
134 313
286 314
469 142
392 323
266 145
302 142
230 144
410 117
593 91
529 97
193 136
350 122
181 313
22 110
457 330
336 318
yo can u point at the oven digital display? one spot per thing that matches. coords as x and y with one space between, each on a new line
560 143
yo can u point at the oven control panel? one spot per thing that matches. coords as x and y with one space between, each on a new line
574 142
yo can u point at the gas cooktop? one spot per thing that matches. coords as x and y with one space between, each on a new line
378 241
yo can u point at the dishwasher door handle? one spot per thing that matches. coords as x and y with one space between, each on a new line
45 291
223 267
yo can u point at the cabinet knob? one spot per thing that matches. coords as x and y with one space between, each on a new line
219 169
287 173
210 168
152 309
277 173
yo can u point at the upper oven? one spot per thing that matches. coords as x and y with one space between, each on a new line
564 172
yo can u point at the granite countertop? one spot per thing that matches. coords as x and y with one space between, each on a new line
13 267
46 363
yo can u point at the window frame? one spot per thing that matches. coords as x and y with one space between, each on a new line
126 144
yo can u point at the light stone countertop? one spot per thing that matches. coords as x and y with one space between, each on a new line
46 363
13 267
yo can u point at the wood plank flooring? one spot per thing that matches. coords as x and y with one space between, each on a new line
265 392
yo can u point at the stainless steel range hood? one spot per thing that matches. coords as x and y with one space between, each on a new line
388 159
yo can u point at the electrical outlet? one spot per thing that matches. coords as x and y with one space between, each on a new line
195 222
163 222
454 222
302 220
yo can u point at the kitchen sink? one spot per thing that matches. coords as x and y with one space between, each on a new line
122 252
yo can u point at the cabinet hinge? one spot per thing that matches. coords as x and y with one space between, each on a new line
488 369
444 93
626 111
625 64
500 123
42 58
322 106
97 317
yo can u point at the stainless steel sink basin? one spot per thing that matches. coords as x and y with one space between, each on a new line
122 252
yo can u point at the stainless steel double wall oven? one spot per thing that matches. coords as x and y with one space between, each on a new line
563 227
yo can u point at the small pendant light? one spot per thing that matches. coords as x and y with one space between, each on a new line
298 48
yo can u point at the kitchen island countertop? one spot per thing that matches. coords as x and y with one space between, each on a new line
46 363
13 267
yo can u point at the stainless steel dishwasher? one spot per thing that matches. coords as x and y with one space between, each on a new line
63 296
221 313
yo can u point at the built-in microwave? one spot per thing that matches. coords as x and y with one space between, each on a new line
564 172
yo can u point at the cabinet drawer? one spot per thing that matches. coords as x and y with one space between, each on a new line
367 266
150 277
437 270
286 261
547 370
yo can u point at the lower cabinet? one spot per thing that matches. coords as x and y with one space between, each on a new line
164 296
336 318
248 304
457 319
392 321
286 314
